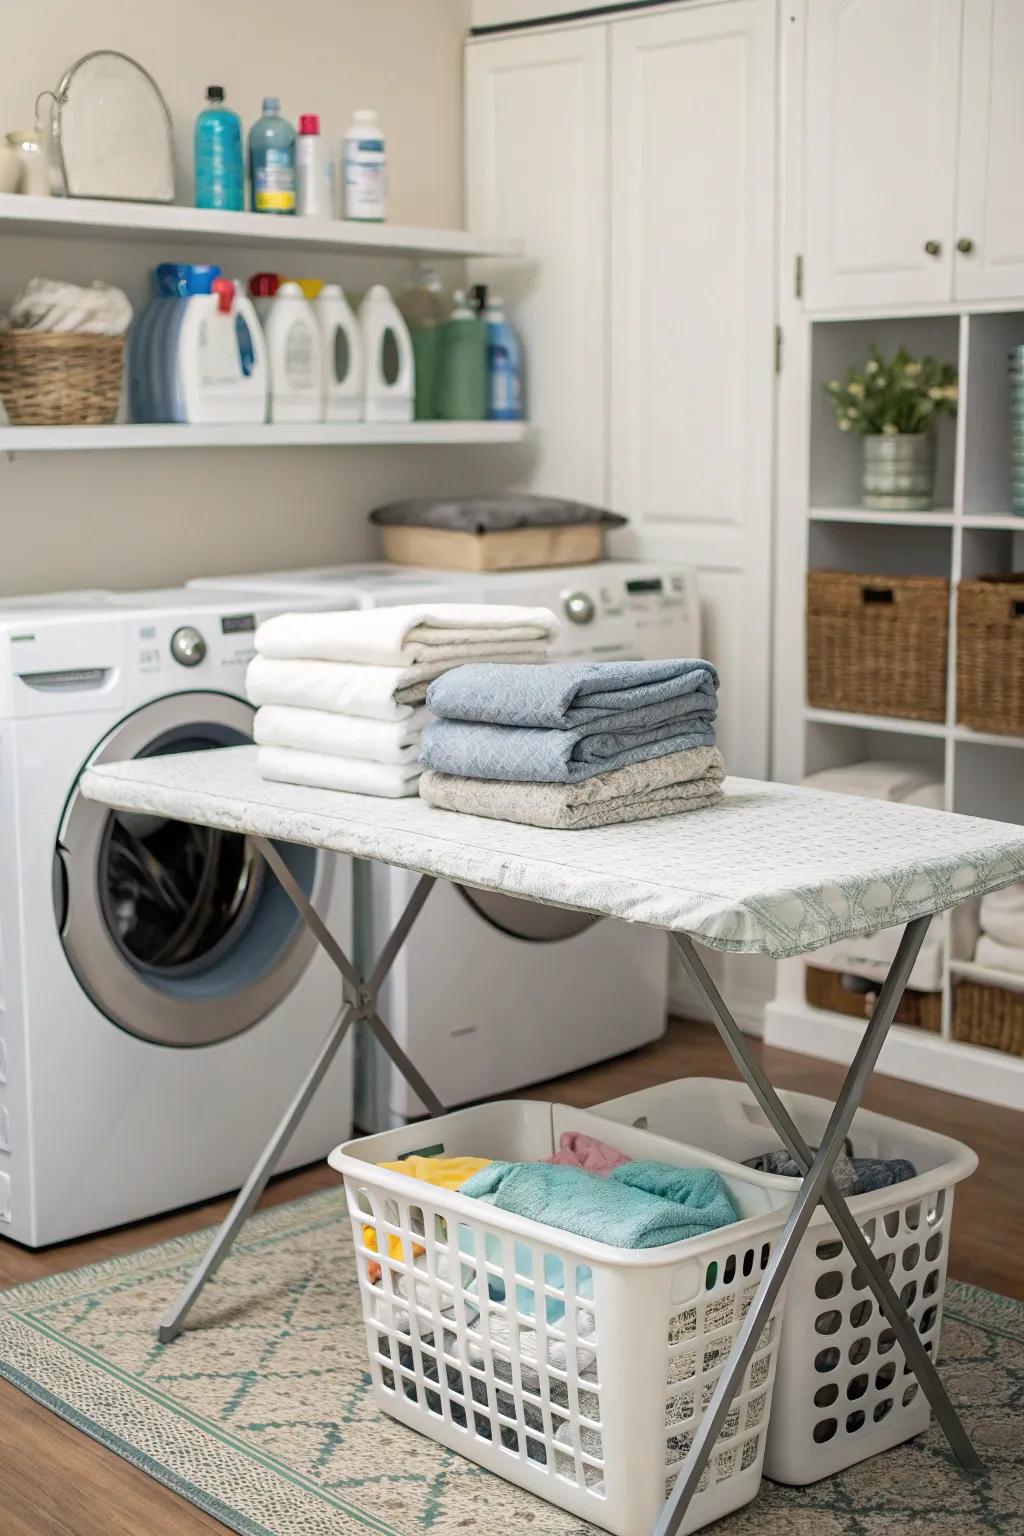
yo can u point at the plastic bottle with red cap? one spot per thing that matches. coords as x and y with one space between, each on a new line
314 179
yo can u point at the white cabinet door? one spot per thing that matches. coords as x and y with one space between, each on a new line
692 303
881 131
990 192
536 167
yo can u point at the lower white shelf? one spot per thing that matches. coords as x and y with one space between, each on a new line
318 434
914 1055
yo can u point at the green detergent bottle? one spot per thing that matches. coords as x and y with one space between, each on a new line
463 385
424 312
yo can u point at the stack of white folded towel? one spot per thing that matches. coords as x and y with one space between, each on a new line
1001 945
871 956
341 695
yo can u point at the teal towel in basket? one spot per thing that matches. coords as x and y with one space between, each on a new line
641 1205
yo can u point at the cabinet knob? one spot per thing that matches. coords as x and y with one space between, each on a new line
965 246
933 247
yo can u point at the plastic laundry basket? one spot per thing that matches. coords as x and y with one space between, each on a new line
585 1370
844 1390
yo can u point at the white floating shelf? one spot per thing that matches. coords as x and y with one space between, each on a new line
986 738
69 216
942 517
261 435
1007 521
987 975
877 722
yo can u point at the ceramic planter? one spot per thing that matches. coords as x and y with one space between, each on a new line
899 472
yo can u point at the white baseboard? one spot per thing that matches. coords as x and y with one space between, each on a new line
910 1054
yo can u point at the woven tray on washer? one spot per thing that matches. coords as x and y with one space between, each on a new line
990 654
877 644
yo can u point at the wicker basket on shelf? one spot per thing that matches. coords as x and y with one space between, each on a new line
990 654
824 989
48 379
876 645
992 1016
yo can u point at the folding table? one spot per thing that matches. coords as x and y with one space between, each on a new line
773 870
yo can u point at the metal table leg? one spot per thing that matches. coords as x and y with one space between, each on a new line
360 1004
811 1191
889 1303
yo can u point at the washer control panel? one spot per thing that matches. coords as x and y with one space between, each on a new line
621 609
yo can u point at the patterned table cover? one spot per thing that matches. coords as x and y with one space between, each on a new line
773 870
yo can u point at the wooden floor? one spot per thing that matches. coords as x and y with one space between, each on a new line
55 1481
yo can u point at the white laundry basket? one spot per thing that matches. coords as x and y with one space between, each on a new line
587 1368
844 1390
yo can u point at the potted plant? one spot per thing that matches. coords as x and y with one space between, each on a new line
894 406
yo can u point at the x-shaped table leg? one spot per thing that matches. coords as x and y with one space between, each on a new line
817 1185
360 1003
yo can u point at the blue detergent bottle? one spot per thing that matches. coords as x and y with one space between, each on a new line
154 390
272 161
504 365
220 175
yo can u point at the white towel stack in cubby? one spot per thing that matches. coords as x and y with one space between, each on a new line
1001 945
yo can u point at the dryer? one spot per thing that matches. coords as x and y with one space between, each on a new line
490 993
159 997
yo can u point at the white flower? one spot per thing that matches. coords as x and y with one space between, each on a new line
912 370
856 389
852 412
880 381
834 387
871 367
951 392
891 429
844 426
936 392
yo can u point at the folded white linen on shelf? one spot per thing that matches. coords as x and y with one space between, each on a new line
410 633
344 688
875 780
323 730
1002 915
1000 957
931 796
357 776
870 958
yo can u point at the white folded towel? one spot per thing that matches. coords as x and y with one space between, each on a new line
356 775
874 780
409 633
345 688
322 730
871 959
931 796
1000 957
1002 915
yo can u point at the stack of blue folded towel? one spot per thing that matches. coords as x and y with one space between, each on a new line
573 744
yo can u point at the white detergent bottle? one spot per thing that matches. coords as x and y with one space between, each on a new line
387 348
218 365
341 344
295 353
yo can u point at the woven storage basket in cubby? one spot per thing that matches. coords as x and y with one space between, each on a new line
992 1016
48 379
824 989
876 645
990 654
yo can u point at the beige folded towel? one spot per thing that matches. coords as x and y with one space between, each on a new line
409 633
663 786
321 730
354 775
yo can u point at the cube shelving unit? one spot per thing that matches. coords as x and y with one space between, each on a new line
971 532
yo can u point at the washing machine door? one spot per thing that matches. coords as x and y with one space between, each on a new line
529 920
178 933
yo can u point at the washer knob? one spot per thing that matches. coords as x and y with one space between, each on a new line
579 607
188 646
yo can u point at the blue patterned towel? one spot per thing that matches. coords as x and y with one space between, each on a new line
564 722
561 694
642 1204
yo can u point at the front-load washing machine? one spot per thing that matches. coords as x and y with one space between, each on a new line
159 998
491 993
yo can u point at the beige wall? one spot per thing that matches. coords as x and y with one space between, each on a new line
139 518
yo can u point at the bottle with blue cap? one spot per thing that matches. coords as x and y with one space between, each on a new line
272 161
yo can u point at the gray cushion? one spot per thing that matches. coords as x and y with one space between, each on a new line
486 514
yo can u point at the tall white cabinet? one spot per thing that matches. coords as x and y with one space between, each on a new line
636 158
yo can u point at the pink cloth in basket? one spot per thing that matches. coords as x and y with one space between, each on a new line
578 1150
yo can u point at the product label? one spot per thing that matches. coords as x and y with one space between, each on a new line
273 189
298 357
504 393
366 180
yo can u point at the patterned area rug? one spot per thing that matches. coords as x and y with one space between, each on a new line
261 1414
